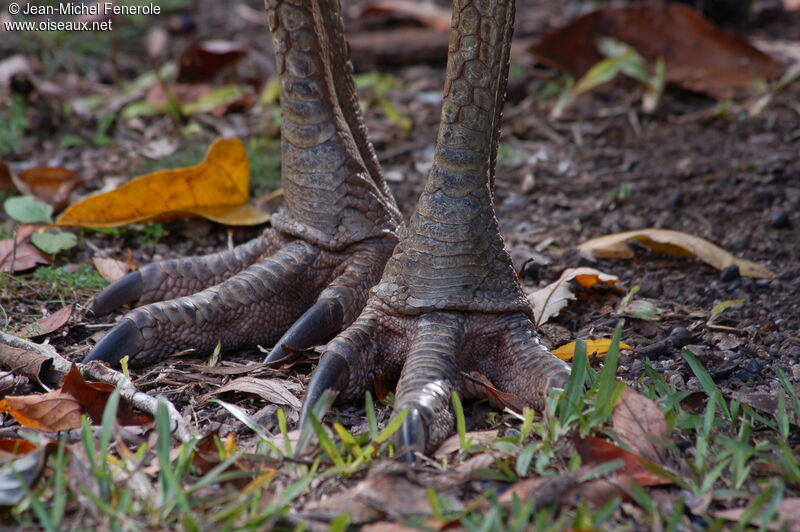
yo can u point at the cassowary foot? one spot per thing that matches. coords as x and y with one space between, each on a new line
274 290
430 354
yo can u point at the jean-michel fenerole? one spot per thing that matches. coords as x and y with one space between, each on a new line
97 8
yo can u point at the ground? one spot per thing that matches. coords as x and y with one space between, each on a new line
696 165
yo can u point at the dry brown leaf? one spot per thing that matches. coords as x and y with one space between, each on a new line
640 423
110 269
452 444
729 63
481 385
217 188
595 451
547 302
48 324
203 61
50 412
788 515
594 346
670 242
389 491
13 447
62 409
274 391
404 46
427 14
51 184
6 183
25 256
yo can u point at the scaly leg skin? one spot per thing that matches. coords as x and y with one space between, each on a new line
308 276
449 302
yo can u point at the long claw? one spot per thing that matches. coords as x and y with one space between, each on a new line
123 340
412 436
316 326
122 291
331 374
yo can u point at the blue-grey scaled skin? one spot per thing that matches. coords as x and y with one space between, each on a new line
449 301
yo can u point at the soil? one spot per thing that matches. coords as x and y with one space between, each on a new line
696 165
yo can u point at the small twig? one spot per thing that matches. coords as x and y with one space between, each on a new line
102 373
142 401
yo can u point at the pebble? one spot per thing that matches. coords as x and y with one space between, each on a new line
677 381
750 369
533 270
780 220
680 336
731 273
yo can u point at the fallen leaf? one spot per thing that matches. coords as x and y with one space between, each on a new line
53 241
787 518
547 302
594 346
203 61
62 409
639 422
110 269
426 14
542 490
12 66
28 210
217 188
641 309
596 451
390 491
453 443
729 63
674 243
13 447
17 476
406 46
32 364
274 391
6 183
50 412
48 324
25 256
497 398
51 184
93 396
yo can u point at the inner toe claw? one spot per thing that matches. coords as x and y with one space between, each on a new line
317 325
123 291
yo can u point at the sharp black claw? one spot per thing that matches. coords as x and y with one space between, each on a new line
124 339
412 436
316 326
124 290
331 374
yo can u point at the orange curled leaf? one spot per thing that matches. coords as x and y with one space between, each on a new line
217 188
594 346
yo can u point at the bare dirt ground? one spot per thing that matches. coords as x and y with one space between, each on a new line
696 165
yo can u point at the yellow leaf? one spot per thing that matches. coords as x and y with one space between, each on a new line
672 243
548 301
594 346
216 189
